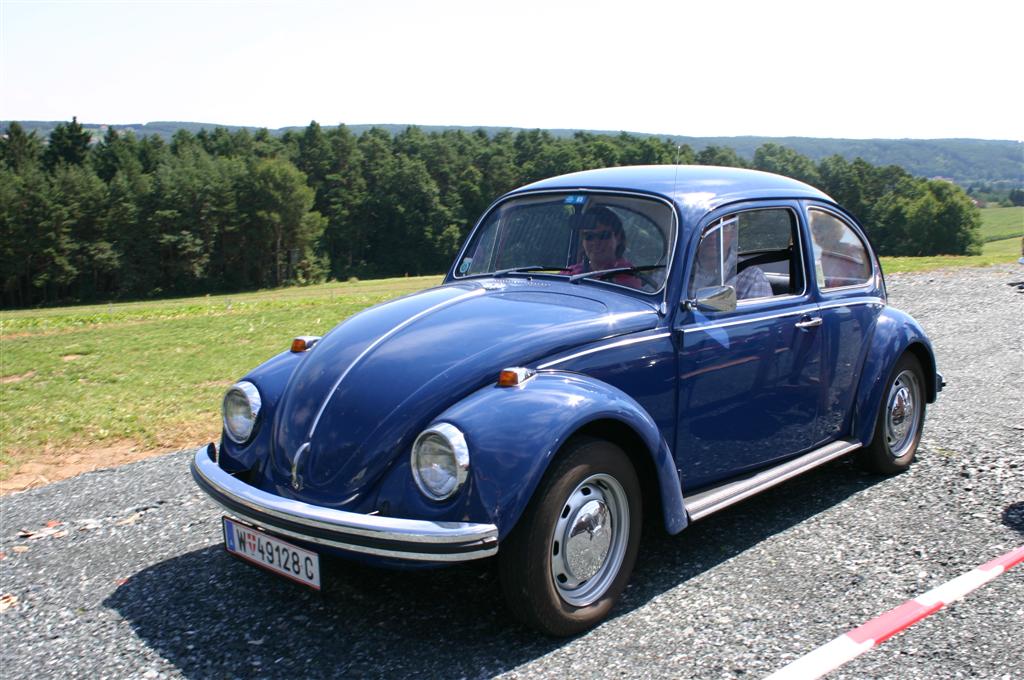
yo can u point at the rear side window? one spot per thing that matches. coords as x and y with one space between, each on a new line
840 257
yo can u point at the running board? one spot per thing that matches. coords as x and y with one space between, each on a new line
714 499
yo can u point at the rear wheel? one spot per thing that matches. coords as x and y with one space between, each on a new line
565 564
900 420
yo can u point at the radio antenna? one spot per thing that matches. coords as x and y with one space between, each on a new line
675 178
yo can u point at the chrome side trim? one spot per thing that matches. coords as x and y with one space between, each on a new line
870 283
592 350
737 322
799 312
722 496
376 343
407 539
852 303
750 302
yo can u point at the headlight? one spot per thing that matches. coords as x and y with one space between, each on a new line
440 461
241 406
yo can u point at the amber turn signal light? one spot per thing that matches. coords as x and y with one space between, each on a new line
510 377
304 342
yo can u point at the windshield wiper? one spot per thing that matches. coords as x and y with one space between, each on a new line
518 270
614 270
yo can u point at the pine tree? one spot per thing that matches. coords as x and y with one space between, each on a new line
69 144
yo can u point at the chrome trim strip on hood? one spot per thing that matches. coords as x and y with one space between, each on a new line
376 343
407 539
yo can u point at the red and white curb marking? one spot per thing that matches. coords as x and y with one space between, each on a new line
852 644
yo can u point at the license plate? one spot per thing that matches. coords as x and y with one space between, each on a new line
271 553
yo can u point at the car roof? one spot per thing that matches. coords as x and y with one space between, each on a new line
696 189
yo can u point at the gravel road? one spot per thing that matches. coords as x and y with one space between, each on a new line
140 587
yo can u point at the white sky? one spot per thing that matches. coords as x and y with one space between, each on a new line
857 69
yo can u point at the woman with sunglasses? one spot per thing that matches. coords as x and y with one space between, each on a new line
604 243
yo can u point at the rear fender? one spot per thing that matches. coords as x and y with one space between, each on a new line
895 333
513 433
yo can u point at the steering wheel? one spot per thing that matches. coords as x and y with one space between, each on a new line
649 284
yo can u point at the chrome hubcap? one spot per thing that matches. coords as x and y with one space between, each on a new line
589 541
902 413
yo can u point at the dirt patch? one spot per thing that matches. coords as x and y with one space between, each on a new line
16 378
72 357
54 465
202 431
51 467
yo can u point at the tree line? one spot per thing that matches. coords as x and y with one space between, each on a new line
219 211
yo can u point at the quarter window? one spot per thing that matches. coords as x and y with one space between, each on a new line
840 257
754 252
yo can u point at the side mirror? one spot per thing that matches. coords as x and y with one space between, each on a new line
715 299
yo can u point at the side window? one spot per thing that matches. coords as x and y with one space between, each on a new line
753 251
840 257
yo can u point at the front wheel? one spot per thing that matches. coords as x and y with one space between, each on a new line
565 564
900 420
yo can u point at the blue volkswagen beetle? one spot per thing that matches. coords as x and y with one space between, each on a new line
609 344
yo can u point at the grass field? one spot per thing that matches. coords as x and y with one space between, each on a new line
103 384
1001 223
1001 231
149 376
992 252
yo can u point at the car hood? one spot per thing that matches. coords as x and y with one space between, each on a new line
364 392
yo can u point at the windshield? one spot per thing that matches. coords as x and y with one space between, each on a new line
618 239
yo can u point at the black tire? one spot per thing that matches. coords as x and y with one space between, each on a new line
894 444
592 487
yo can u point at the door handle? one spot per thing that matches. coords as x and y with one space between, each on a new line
809 322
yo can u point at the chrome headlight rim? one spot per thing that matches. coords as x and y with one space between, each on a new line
252 396
459 449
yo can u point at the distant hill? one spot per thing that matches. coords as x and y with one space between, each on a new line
965 161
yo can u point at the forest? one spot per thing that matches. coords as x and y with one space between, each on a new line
126 217
987 168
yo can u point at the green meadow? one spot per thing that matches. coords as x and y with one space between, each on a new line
150 375
992 252
1001 231
1002 223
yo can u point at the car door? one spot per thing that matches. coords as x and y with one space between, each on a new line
850 296
750 379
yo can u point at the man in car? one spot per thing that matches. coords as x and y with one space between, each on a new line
750 283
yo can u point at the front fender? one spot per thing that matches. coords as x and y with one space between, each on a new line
270 378
895 333
514 432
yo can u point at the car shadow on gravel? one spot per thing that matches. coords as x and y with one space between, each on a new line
213 616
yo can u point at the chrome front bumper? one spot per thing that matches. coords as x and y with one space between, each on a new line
406 539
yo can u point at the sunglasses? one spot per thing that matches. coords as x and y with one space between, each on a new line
597 235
